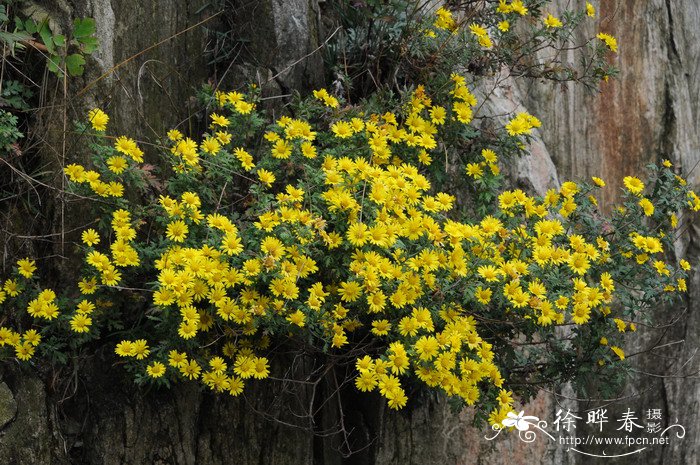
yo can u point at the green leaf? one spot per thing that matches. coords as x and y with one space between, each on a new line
88 44
83 27
75 64
59 40
54 64
30 26
11 38
47 38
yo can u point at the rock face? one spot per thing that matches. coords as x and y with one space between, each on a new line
26 429
650 113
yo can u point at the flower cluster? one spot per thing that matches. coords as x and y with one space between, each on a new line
336 231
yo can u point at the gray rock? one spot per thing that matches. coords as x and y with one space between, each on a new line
8 406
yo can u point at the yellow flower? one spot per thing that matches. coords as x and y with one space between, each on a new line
579 263
475 170
76 173
427 347
272 247
87 286
552 21
489 272
282 149
218 120
85 307
349 291
217 365
12 288
125 349
244 108
117 164
177 231
308 150
115 189
580 314
381 327
358 234
517 6
489 155
483 295
674 220
609 40
342 129
503 7
174 135
233 97
26 267
568 189
463 112
621 325
246 158
661 268
618 351
261 368
80 323
477 30
523 123
326 98
210 145
437 115
598 182
504 26
128 147
590 10
633 184
155 370
191 199
497 416
31 337
606 282
444 20
236 386
223 137
140 349
339 340
177 359
505 397
24 351
266 177
191 369
481 34
366 381
647 206
98 119
297 318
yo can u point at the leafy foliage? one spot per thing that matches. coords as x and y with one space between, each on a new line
336 230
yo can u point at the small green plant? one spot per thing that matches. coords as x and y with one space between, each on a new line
9 133
381 44
333 231
66 54
33 28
